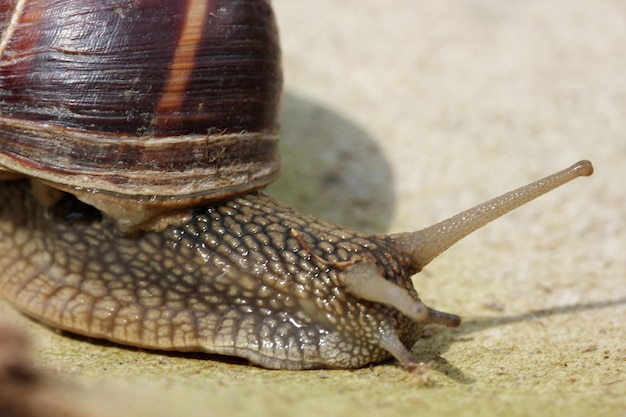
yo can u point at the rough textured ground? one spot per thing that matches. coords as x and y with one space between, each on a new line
396 115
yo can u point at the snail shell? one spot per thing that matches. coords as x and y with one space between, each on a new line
142 109
139 108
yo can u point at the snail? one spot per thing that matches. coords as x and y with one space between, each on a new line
135 140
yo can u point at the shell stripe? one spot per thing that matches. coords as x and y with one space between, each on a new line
182 64
8 32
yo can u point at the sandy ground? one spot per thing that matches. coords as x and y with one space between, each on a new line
397 115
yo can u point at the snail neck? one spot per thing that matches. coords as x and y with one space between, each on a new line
426 244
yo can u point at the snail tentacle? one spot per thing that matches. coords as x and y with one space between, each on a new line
364 281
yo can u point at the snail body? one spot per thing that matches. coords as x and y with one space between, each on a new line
129 209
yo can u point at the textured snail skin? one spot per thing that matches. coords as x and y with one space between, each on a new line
248 277
232 280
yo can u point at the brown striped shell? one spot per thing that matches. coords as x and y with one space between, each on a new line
139 107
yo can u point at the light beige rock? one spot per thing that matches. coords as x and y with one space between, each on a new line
422 109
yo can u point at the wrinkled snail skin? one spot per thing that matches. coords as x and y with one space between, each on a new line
129 209
233 280
248 277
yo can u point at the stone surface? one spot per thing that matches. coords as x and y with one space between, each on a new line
399 114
